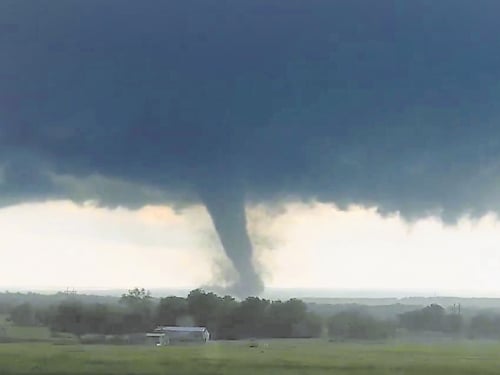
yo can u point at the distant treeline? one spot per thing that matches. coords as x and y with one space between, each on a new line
227 318
9 300
137 311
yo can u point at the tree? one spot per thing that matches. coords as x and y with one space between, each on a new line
282 316
96 319
23 315
170 310
68 317
431 318
310 326
136 296
355 325
485 326
226 327
138 315
203 306
250 317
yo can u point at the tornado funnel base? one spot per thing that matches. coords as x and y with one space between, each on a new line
249 285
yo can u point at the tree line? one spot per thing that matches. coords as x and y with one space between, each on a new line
137 311
227 318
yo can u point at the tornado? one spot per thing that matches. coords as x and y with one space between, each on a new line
227 211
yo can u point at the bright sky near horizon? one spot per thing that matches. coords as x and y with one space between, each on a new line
60 244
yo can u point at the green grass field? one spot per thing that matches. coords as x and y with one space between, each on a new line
273 357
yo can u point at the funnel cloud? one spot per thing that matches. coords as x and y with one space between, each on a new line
227 210
381 103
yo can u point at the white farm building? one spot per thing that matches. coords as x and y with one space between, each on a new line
166 335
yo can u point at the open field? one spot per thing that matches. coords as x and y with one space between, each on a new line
273 357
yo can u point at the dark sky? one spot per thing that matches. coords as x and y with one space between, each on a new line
391 103
387 102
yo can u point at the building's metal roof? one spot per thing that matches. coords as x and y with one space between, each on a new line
180 329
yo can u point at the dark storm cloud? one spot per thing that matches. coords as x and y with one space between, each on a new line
388 103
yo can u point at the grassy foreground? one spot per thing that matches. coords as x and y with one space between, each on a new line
273 357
